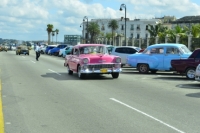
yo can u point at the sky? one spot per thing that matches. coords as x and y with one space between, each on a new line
27 19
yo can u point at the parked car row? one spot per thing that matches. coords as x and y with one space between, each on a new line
158 57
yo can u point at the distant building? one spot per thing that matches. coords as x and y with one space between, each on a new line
187 21
136 28
72 39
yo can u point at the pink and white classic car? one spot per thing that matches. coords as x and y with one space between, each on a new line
92 59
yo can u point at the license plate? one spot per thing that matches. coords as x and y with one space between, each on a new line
104 70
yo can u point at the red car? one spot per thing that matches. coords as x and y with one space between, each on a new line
88 59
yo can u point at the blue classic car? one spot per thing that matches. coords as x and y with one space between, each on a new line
158 57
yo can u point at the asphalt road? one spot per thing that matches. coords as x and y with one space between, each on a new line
40 97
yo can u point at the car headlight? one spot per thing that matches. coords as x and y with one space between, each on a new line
85 61
118 60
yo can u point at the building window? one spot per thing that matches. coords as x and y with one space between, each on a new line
146 35
138 36
122 28
131 35
138 27
146 27
132 27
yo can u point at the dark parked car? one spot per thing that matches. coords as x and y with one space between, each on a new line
22 50
187 66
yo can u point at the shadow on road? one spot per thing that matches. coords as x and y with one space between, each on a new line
195 95
189 86
171 77
66 76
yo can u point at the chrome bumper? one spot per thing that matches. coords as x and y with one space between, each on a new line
101 68
101 72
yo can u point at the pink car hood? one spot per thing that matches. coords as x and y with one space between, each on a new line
99 58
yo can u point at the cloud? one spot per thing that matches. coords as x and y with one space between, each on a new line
28 19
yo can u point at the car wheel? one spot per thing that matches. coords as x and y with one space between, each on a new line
70 72
190 73
115 75
80 75
153 71
143 68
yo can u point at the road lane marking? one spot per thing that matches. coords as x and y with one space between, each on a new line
33 61
1 112
147 115
54 71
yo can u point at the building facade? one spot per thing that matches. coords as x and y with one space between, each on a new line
72 39
136 28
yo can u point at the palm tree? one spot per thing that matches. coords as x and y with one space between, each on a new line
49 30
53 34
113 25
157 30
94 30
57 31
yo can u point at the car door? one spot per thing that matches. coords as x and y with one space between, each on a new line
171 52
122 52
156 58
74 59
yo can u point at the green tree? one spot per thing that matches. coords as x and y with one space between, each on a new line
93 30
113 25
57 31
157 30
108 36
49 30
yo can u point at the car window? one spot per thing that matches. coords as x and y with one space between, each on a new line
120 50
172 50
93 50
184 50
198 55
75 51
131 51
157 51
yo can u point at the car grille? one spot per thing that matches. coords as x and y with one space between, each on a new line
100 66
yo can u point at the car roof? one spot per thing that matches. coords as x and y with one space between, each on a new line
167 44
81 45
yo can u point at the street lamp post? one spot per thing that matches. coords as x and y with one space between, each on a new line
87 28
124 6
82 32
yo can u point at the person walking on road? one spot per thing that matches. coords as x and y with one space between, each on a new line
37 51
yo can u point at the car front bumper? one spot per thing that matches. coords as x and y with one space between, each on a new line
102 71
101 68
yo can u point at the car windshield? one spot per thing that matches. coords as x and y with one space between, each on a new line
93 50
184 50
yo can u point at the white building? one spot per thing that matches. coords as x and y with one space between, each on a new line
136 28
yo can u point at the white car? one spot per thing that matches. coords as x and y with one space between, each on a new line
197 73
123 52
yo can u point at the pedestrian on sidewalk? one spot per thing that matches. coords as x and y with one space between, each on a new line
37 51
